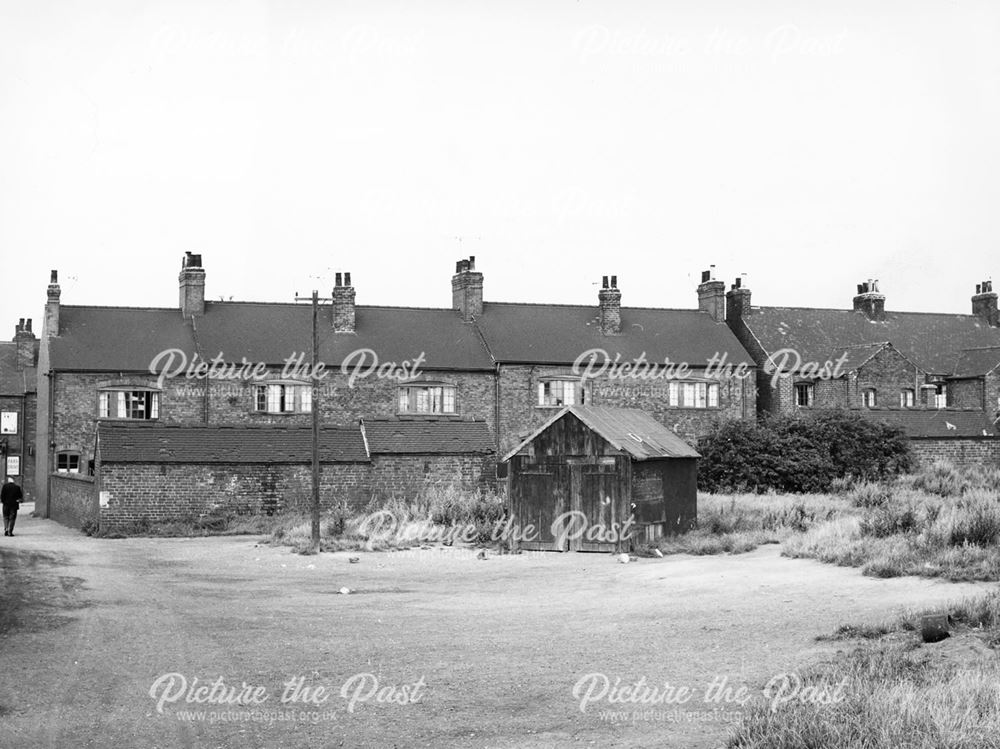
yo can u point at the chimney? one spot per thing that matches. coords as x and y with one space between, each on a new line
984 304
712 295
343 304
51 325
737 302
467 289
610 299
25 341
870 301
192 286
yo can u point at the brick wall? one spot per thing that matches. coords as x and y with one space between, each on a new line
960 452
73 499
22 443
407 475
190 402
966 393
169 491
889 373
521 414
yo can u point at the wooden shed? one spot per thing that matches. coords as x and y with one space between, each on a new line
579 478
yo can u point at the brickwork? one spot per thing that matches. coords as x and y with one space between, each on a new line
520 413
965 393
22 443
960 452
406 476
73 499
889 373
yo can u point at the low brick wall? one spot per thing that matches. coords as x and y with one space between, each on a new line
405 476
153 493
961 452
73 499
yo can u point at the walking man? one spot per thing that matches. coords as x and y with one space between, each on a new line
10 497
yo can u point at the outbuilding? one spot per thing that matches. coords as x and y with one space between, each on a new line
595 478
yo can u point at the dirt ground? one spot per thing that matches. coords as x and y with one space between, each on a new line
431 648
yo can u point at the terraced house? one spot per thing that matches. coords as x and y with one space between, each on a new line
152 412
935 375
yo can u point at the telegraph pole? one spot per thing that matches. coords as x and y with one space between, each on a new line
314 384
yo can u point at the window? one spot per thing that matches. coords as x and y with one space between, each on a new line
804 392
129 404
906 398
427 399
282 398
868 398
561 393
68 462
693 394
941 396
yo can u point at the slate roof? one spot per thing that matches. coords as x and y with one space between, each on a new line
12 380
128 339
558 334
855 356
932 341
936 423
120 443
428 436
627 429
977 362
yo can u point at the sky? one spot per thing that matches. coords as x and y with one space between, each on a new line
807 145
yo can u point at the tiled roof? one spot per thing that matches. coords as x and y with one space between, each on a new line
121 443
627 429
558 334
977 361
931 341
855 356
428 436
936 423
14 381
128 339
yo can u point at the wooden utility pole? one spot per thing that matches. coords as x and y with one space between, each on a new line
314 385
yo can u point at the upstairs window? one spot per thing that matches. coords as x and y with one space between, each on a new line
283 398
426 399
693 394
869 398
907 398
129 404
940 396
561 393
804 392
67 462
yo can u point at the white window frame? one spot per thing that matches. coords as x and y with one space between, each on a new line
810 389
907 398
68 454
122 403
427 399
282 398
558 392
697 395
869 398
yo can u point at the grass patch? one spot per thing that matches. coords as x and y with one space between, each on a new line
895 691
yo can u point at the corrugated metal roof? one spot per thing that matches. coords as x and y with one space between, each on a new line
121 443
558 334
627 429
977 362
428 436
931 341
936 423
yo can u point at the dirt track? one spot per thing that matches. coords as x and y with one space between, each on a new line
498 644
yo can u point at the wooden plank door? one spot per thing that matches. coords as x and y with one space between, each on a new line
541 500
595 492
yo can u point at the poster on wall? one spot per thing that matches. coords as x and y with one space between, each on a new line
8 422
13 465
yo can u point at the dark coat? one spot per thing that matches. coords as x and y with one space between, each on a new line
11 494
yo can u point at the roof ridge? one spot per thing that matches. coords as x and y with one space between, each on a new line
596 307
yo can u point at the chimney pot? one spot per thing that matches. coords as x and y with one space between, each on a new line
472 262
54 276
604 282
870 301
614 282
705 276
29 324
337 280
347 279
467 289
610 306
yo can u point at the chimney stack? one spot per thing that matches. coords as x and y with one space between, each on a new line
467 289
192 286
870 301
984 304
737 302
343 304
51 324
712 295
25 341
610 299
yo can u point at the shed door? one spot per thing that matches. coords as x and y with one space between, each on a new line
595 491
540 502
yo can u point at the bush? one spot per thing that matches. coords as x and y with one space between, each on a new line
800 453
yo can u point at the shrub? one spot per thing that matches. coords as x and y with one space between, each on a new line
869 494
800 453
